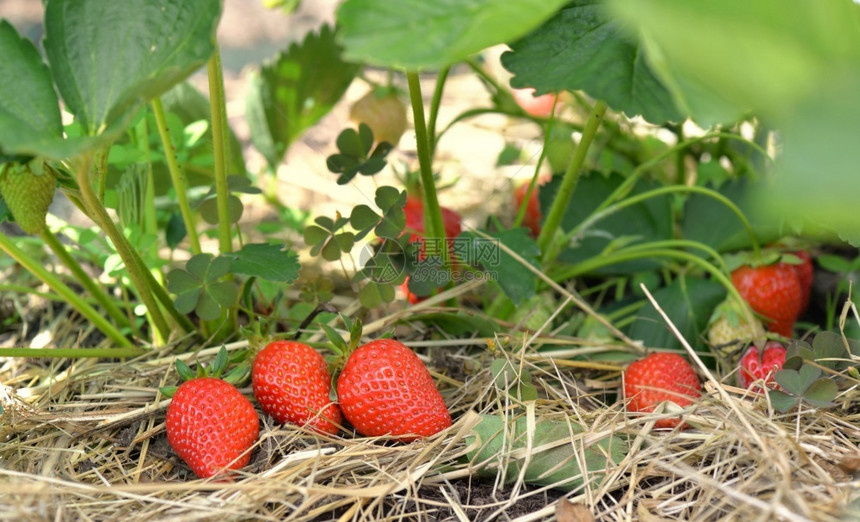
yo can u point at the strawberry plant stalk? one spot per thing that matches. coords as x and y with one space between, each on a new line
434 108
219 141
120 319
60 288
137 271
177 175
568 182
434 226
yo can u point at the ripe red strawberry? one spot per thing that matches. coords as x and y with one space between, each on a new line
773 291
385 389
414 210
532 217
211 425
292 384
755 365
805 274
657 378
538 106
383 112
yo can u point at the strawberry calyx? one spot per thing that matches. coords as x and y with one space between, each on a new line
214 370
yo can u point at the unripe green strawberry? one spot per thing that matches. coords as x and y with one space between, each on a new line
729 327
28 195
211 426
385 389
383 112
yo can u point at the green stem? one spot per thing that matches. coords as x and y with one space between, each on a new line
433 225
137 271
434 108
638 198
621 256
568 182
218 109
60 288
177 175
85 280
74 353
521 213
639 171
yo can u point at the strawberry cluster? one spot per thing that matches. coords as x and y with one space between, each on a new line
384 389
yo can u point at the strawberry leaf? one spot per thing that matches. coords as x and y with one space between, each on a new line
497 446
29 108
385 33
265 261
583 48
512 380
294 90
516 280
107 71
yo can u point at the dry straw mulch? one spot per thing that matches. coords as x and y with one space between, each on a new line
84 440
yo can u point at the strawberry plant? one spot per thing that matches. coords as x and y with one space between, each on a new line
660 206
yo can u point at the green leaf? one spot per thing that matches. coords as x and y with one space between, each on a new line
512 380
498 445
265 261
688 301
794 64
821 393
187 300
29 108
392 225
516 280
209 209
363 217
388 197
223 292
331 251
828 347
782 50
294 90
782 401
583 48
416 34
701 212
650 220
370 296
315 235
796 382
207 307
108 58
350 143
180 281
200 286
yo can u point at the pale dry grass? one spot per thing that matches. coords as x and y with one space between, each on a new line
84 440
